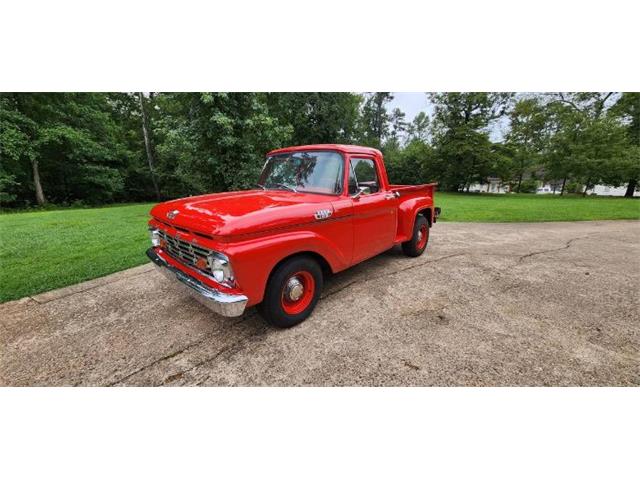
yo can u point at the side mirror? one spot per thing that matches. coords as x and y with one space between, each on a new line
361 191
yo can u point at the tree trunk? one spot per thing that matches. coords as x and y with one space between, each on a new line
147 144
519 183
631 188
564 182
40 198
586 187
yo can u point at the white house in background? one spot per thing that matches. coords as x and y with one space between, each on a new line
603 190
493 185
610 191
548 189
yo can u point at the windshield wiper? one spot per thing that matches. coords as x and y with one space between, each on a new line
260 185
286 186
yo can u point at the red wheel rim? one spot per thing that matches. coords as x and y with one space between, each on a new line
297 292
423 236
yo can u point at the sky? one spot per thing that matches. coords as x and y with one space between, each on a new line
411 103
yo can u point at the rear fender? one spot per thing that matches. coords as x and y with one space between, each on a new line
407 213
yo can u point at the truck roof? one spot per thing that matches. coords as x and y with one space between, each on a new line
328 146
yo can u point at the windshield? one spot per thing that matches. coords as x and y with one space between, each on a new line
314 172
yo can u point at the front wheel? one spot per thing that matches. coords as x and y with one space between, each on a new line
292 292
419 240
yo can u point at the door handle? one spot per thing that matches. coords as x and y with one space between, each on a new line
391 196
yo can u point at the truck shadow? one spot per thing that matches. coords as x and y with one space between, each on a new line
337 282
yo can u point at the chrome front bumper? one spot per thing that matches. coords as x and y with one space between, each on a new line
220 302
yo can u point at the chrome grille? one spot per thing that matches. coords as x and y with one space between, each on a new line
186 252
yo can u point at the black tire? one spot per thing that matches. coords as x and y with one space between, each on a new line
418 243
277 307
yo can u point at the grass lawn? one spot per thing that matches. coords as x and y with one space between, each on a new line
460 207
41 251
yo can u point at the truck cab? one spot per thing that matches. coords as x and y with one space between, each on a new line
316 210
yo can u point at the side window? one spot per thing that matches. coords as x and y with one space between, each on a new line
364 171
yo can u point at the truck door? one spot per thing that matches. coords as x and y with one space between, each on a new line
374 211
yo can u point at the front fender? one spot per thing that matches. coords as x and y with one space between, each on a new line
254 260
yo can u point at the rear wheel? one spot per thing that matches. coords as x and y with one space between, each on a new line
292 292
419 240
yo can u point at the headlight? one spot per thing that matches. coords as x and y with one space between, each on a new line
155 237
221 269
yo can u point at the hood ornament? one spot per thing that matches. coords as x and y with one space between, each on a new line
322 214
172 214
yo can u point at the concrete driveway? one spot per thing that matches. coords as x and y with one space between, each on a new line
487 304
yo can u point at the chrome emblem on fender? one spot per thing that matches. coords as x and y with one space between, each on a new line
322 214
172 214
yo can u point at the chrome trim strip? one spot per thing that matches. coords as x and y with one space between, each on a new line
223 303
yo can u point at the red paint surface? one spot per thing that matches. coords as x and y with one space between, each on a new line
424 236
257 229
293 307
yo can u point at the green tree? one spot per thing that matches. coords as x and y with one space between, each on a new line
125 111
397 126
148 142
461 135
527 137
374 119
589 144
503 164
17 155
70 142
559 160
418 128
414 164
214 141
628 110
316 117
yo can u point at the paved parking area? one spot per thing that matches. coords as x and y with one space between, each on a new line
487 305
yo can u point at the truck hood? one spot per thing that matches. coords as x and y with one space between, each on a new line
238 213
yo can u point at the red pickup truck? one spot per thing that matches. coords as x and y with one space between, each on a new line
317 210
